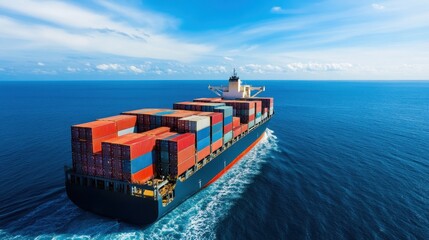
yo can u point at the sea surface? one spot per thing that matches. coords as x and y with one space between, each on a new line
340 160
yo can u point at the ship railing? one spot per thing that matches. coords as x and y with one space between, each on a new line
148 190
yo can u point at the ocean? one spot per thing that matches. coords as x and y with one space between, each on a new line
340 160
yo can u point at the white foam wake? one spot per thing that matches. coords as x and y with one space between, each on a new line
196 218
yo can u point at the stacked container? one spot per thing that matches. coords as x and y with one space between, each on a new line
197 106
236 127
176 154
216 133
129 157
157 131
146 119
243 109
86 141
200 126
124 123
227 122
267 104
171 120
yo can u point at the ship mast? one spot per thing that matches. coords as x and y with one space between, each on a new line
235 89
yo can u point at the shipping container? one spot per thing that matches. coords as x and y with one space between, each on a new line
203 153
93 130
143 175
244 127
217 144
235 122
236 131
227 128
122 122
227 137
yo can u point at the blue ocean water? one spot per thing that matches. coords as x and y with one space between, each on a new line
340 160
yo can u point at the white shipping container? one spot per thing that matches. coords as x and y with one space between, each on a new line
197 123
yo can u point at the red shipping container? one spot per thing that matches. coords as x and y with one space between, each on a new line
235 122
137 147
252 117
143 175
182 141
203 153
215 117
96 129
244 127
236 131
157 131
216 145
188 163
227 128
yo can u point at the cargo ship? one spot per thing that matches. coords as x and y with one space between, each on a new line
137 166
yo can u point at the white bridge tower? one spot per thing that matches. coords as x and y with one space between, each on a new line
235 89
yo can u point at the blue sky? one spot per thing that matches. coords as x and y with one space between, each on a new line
190 39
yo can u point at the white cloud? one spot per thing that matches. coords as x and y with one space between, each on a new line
88 31
215 69
228 58
294 67
40 64
378 6
110 66
135 69
319 66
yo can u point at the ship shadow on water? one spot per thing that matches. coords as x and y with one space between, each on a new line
197 218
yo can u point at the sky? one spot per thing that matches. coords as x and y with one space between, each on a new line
190 39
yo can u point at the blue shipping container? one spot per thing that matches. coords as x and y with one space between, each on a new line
217 127
216 136
203 143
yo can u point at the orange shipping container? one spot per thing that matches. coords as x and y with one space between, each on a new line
157 131
183 155
188 163
235 122
216 145
96 143
203 153
143 175
122 121
244 127
94 130
236 131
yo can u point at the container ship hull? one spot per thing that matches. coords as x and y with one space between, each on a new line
141 210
